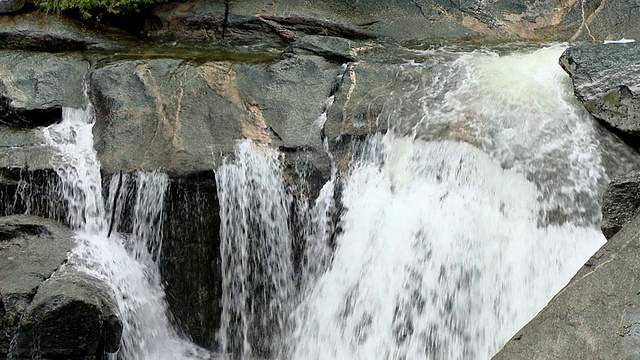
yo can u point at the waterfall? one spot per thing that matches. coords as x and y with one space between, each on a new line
458 224
126 262
255 250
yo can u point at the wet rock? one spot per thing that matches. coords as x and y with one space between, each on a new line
31 249
596 315
72 315
244 23
190 263
48 32
31 191
49 309
10 6
605 79
35 86
620 203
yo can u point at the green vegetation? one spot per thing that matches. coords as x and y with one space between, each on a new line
90 7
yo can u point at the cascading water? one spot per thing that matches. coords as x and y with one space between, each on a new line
255 249
458 225
128 263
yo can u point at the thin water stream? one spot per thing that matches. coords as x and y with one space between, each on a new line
128 263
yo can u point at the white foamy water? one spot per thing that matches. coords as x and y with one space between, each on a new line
441 257
451 246
126 262
458 225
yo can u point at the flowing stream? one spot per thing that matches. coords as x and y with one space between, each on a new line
126 262
458 225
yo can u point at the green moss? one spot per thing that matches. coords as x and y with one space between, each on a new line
591 106
613 98
87 7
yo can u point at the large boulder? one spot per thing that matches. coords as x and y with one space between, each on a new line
596 315
46 311
73 315
181 117
606 79
165 114
276 23
620 203
31 249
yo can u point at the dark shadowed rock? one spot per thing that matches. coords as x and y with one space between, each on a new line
606 79
620 203
31 249
72 315
190 263
10 6
48 309
596 315
48 32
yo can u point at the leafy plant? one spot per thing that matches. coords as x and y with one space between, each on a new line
89 7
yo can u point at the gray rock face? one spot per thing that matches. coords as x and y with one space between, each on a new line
34 87
9 6
165 114
596 315
620 203
72 315
277 23
606 79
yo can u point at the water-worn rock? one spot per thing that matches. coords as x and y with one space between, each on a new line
606 79
10 6
71 315
31 249
620 203
596 315
277 23
35 86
